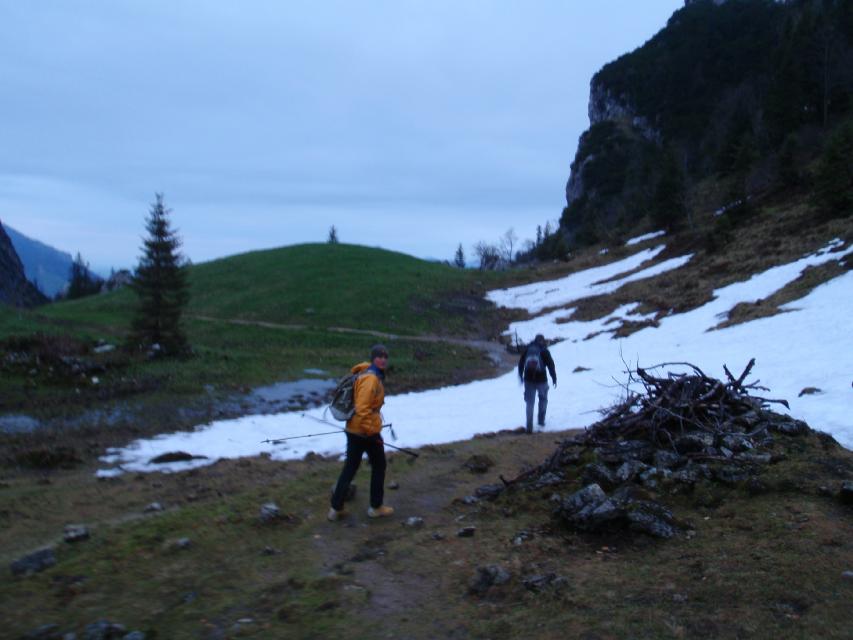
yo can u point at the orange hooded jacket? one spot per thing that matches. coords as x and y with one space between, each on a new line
369 396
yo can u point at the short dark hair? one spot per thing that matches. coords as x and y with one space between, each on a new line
377 351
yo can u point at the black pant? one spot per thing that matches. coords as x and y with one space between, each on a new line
356 447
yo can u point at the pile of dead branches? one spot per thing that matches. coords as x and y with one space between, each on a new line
678 404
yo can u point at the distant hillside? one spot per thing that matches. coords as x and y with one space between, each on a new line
46 267
15 289
731 101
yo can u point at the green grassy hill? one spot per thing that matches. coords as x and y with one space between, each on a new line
253 319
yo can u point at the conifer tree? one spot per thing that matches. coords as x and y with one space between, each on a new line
459 258
333 235
80 281
160 283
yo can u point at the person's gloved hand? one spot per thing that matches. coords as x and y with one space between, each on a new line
554 381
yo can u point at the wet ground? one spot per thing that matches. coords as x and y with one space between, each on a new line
294 395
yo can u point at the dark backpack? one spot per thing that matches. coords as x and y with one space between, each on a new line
533 363
342 405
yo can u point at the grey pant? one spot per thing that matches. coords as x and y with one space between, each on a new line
531 389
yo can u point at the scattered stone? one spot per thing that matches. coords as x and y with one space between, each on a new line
790 427
630 470
489 491
437 536
34 562
270 551
540 582
470 500
270 512
521 537
394 485
175 456
104 630
487 577
479 464
75 533
179 544
466 532
599 474
154 506
666 459
414 522
731 475
847 575
546 480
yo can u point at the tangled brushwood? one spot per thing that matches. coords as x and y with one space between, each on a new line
683 432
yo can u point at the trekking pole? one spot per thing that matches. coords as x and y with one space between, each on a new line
310 435
389 426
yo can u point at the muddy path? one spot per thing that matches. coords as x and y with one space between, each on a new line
496 351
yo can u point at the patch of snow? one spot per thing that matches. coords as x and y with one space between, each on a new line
811 346
643 238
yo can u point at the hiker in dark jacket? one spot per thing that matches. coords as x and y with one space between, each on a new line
364 435
532 366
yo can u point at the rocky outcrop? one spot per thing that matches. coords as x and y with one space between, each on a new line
15 289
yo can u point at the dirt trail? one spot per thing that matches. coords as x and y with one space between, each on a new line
402 567
496 351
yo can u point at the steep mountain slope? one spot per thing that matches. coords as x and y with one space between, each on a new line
730 102
45 266
15 289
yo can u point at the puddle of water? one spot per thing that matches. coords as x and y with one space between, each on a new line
18 424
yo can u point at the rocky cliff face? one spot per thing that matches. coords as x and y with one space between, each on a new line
15 289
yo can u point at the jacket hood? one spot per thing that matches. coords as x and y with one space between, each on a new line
361 366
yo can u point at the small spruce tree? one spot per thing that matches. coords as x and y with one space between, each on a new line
333 235
459 257
160 283
80 281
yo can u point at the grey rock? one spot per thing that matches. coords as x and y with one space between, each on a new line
619 452
731 475
479 464
790 427
154 506
599 474
470 500
489 491
667 459
487 577
590 495
134 635
755 458
540 582
104 630
34 562
414 522
75 533
466 532
652 518
652 476
270 512
847 575
735 442
521 537
391 485
629 470
694 442
548 479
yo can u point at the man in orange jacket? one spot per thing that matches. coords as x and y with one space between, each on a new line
364 435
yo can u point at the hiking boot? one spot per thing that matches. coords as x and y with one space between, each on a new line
334 514
380 512
530 428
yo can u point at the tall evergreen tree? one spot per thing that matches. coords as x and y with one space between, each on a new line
459 258
160 282
333 235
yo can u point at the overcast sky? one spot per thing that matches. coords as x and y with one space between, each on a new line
408 125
